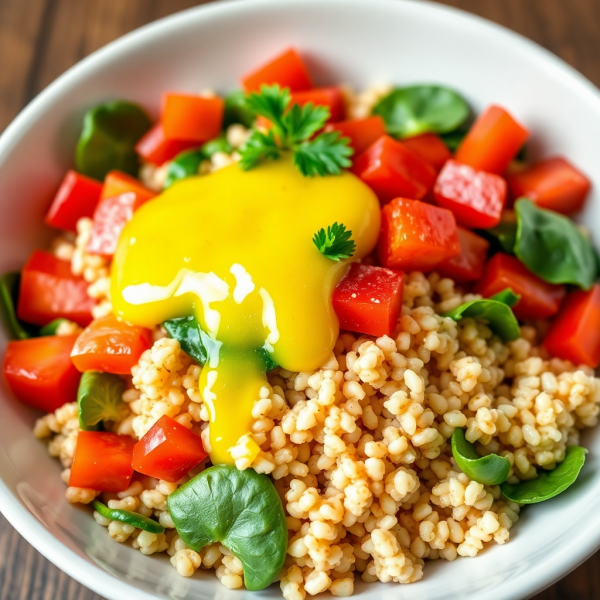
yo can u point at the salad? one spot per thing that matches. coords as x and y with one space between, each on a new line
298 334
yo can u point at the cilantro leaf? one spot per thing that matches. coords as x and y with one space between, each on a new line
270 103
302 122
327 154
259 147
336 243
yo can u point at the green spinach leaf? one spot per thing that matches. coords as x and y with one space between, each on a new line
9 294
99 399
236 110
503 237
131 518
453 139
52 327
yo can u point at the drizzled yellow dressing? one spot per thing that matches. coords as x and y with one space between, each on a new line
235 249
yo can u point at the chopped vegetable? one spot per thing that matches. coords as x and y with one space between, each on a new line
190 117
52 327
336 244
416 236
168 451
117 183
40 373
99 399
107 141
76 198
361 132
548 483
470 263
155 148
131 518
102 461
430 147
286 70
489 470
503 236
219 144
236 110
369 299
419 109
330 97
188 333
9 294
110 345
241 510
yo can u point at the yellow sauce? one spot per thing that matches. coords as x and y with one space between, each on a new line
235 249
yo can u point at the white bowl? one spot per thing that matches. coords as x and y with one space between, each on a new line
354 41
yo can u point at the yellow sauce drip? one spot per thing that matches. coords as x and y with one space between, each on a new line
235 249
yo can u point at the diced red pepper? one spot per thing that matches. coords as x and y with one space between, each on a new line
539 299
102 461
575 333
50 291
369 299
286 69
361 132
76 198
168 451
110 345
469 264
40 373
155 148
391 170
331 97
429 147
117 183
416 236
476 198
492 142
553 183
191 117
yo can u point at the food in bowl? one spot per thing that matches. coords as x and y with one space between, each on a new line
183 332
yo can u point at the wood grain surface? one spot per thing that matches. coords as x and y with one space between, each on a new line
39 39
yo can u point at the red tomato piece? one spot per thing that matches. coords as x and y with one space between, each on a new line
110 345
429 147
102 461
286 69
50 291
391 170
539 299
168 451
361 132
191 117
553 183
117 183
476 198
77 197
331 97
155 148
469 264
492 142
575 333
40 373
369 299
416 236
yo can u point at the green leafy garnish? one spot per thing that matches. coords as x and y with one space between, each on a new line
52 327
241 510
236 110
453 139
489 470
134 519
99 399
503 237
336 243
9 293
292 130
548 483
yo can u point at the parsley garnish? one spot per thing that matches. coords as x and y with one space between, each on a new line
326 154
336 243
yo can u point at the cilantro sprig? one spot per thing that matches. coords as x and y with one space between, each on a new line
292 129
336 243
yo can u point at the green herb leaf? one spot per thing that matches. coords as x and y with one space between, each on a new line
301 122
453 139
503 237
336 243
507 297
53 326
327 154
218 144
258 148
552 246
419 109
241 510
9 293
185 164
548 483
236 110
270 103
99 399
124 516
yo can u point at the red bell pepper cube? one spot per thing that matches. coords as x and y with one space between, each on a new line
369 299
191 117
102 461
553 183
391 170
286 69
117 183
416 236
539 299
575 333
110 345
40 373
50 291
429 147
168 451
361 132
155 148
492 142
469 264
331 97
476 198
76 198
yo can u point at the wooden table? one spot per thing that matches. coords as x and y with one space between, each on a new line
39 39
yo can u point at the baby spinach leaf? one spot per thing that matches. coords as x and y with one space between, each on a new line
418 109
507 297
552 246
489 470
503 237
240 509
9 294
99 399
453 139
548 483
131 518
52 327
236 110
